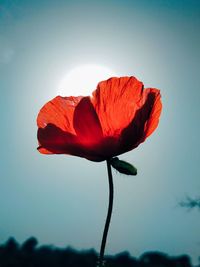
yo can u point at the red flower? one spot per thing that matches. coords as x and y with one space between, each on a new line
118 116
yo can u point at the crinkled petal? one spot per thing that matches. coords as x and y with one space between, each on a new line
116 101
60 112
153 120
144 122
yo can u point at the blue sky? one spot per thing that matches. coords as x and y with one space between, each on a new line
63 200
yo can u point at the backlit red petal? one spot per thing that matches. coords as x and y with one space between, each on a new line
60 112
53 140
115 102
144 122
86 123
153 120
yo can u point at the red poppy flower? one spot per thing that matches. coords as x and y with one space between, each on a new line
118 116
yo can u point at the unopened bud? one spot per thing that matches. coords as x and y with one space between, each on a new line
123 166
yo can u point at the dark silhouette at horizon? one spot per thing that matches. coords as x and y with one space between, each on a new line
29 254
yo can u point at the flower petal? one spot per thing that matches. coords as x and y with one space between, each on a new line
117 118
153 120
54 140
79 137
59 111
86 123
115 101
144 122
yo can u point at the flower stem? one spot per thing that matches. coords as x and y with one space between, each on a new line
110 206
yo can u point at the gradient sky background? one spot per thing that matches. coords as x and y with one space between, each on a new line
63 200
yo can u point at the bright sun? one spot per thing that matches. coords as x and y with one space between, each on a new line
83 79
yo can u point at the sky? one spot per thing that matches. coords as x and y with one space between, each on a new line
62 200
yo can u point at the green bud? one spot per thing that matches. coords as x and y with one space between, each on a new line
123 166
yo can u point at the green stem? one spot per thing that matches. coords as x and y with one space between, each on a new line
110 206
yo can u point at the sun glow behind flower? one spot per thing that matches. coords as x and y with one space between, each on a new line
85 127
83 79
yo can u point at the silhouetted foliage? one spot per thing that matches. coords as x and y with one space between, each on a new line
29 245
30 255
158 259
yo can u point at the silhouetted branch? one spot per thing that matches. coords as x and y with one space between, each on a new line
190 203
